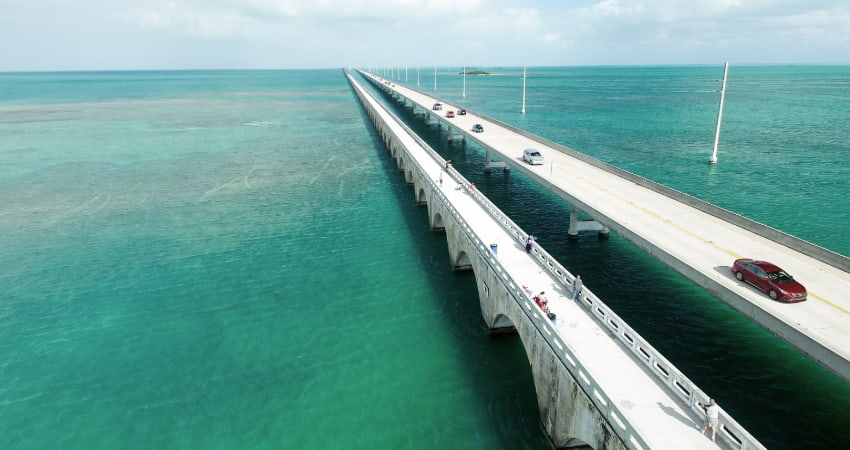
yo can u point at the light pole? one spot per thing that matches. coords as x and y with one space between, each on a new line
464 81
523 89
713 159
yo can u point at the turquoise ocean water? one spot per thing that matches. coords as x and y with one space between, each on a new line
231 260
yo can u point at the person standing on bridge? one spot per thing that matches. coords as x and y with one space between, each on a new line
577 285
712 415
528 241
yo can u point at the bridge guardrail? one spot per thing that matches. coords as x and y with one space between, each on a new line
682 387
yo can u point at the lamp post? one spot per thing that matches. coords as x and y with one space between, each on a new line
713 159
523 89
464 81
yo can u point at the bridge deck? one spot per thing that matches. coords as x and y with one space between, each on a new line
655 414
691 237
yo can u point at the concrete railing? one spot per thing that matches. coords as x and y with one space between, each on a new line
827 256
682 387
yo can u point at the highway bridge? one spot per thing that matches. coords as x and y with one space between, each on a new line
697 239
599 384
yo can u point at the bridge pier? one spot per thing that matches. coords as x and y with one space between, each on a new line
489 164
421 197
456 137
432 120
568 416
436 222
577 225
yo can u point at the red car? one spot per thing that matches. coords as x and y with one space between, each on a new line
450 114
774 281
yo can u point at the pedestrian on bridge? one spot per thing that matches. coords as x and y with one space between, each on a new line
541 301
712 415
528 242
577 285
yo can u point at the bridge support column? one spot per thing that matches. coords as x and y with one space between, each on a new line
433 121
490 165
577 225
456 137
568 415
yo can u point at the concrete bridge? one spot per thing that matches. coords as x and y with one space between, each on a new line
697 239
598 383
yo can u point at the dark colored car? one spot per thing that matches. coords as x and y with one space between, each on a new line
774 281
450 114
461 112
477 128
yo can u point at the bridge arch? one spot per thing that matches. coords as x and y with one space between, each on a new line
570 419
421 197
460 250
436 222
461 262
503 322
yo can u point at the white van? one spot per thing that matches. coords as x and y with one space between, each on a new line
437 106
532 156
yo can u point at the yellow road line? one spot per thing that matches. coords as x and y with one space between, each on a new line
686 231
829 303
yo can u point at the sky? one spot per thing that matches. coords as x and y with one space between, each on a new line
40 35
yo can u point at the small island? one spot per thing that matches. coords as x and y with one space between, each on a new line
475 72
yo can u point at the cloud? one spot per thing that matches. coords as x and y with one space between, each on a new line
257 18
208 23
671 31
328 33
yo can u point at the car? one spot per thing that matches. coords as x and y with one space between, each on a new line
437 106
770 279
450 114
477 128
461 112
532 156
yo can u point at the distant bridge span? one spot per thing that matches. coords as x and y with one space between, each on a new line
598 383
697 239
